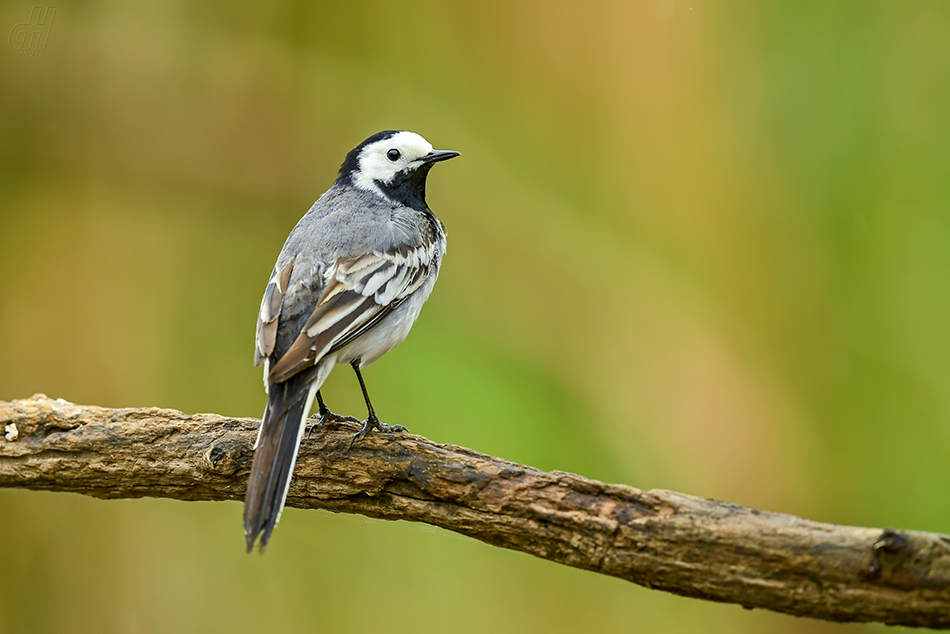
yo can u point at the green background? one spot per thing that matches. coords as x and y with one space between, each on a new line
699 246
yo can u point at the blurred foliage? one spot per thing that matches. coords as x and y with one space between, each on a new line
692 245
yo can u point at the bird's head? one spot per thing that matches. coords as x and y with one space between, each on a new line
394 164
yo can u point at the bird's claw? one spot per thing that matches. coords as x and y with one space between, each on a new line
370 424
326 416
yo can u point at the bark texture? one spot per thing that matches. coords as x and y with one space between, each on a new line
683 544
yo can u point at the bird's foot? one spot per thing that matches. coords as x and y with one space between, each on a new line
372 423
326 416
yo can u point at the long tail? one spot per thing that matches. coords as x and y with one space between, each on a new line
277 445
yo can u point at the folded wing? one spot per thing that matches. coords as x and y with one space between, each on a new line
360 291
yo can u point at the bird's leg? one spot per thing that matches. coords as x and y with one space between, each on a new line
326 415
371 422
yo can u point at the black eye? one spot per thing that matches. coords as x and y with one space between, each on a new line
393 155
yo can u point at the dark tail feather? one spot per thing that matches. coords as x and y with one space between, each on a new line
274 458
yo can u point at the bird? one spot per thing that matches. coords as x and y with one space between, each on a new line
347 287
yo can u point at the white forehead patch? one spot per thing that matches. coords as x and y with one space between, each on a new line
375 164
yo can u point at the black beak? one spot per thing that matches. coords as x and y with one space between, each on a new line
439 155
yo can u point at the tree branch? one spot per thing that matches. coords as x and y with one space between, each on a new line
660 539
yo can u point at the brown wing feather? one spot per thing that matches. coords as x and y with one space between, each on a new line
268 317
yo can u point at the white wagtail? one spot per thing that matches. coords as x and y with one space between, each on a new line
347 287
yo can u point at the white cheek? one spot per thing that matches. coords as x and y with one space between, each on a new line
375 168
